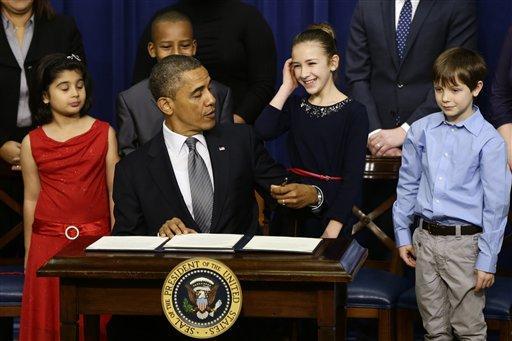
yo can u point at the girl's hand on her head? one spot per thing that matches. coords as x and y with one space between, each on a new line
289 80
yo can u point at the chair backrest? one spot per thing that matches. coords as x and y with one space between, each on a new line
378 169
12 204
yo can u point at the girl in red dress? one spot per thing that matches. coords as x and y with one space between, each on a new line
68 168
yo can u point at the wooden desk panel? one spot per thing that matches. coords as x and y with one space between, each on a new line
273 284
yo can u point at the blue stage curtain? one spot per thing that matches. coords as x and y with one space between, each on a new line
111 31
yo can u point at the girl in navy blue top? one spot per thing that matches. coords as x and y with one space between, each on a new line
327 132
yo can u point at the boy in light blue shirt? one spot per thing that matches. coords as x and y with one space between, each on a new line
454 190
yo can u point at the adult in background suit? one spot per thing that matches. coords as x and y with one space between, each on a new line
398 91
153 192
501 96
138 117
30 30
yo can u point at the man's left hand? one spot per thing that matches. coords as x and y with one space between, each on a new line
379 143
294 195
174 227
483 280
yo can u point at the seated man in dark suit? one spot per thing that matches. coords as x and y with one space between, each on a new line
193 158
193 176
138 117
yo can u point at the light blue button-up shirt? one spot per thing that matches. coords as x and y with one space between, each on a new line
455 174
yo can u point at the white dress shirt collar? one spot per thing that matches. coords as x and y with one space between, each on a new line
175 142
398 8
178 154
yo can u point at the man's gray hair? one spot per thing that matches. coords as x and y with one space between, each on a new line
165 79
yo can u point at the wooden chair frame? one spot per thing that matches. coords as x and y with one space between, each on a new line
7 313
379 168
15 206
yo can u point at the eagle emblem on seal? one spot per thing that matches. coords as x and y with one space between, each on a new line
201 296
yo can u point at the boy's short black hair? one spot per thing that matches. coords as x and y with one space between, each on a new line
48 69
171 16
458 63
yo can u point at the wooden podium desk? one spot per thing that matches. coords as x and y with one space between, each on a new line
273 284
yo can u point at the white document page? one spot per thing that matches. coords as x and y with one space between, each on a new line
127 243
203 241
282 244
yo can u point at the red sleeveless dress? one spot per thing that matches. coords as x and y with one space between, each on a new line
73 192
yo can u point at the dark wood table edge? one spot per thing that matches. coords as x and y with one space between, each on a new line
331 298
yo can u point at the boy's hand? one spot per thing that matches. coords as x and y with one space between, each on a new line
408 255
483 280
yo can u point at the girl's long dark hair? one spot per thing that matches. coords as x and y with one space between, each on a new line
43 9
48 69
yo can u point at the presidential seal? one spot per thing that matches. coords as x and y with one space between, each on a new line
201 298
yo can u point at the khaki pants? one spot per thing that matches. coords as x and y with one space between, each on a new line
445 280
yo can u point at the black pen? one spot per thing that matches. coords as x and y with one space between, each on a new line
285 182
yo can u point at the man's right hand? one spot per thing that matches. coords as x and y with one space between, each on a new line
294 195
174 227
408 255
10 153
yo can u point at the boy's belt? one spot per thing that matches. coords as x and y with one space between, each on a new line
437 229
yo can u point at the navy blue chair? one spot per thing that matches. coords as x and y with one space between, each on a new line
497 312
373 294
11 276
376 288
11 288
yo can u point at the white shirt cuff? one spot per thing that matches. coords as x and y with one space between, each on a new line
373 132
405 127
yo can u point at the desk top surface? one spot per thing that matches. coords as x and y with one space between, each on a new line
324 265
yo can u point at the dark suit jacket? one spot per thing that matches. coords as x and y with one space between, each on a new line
139 118
501 96
146 192
395 92
50 36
